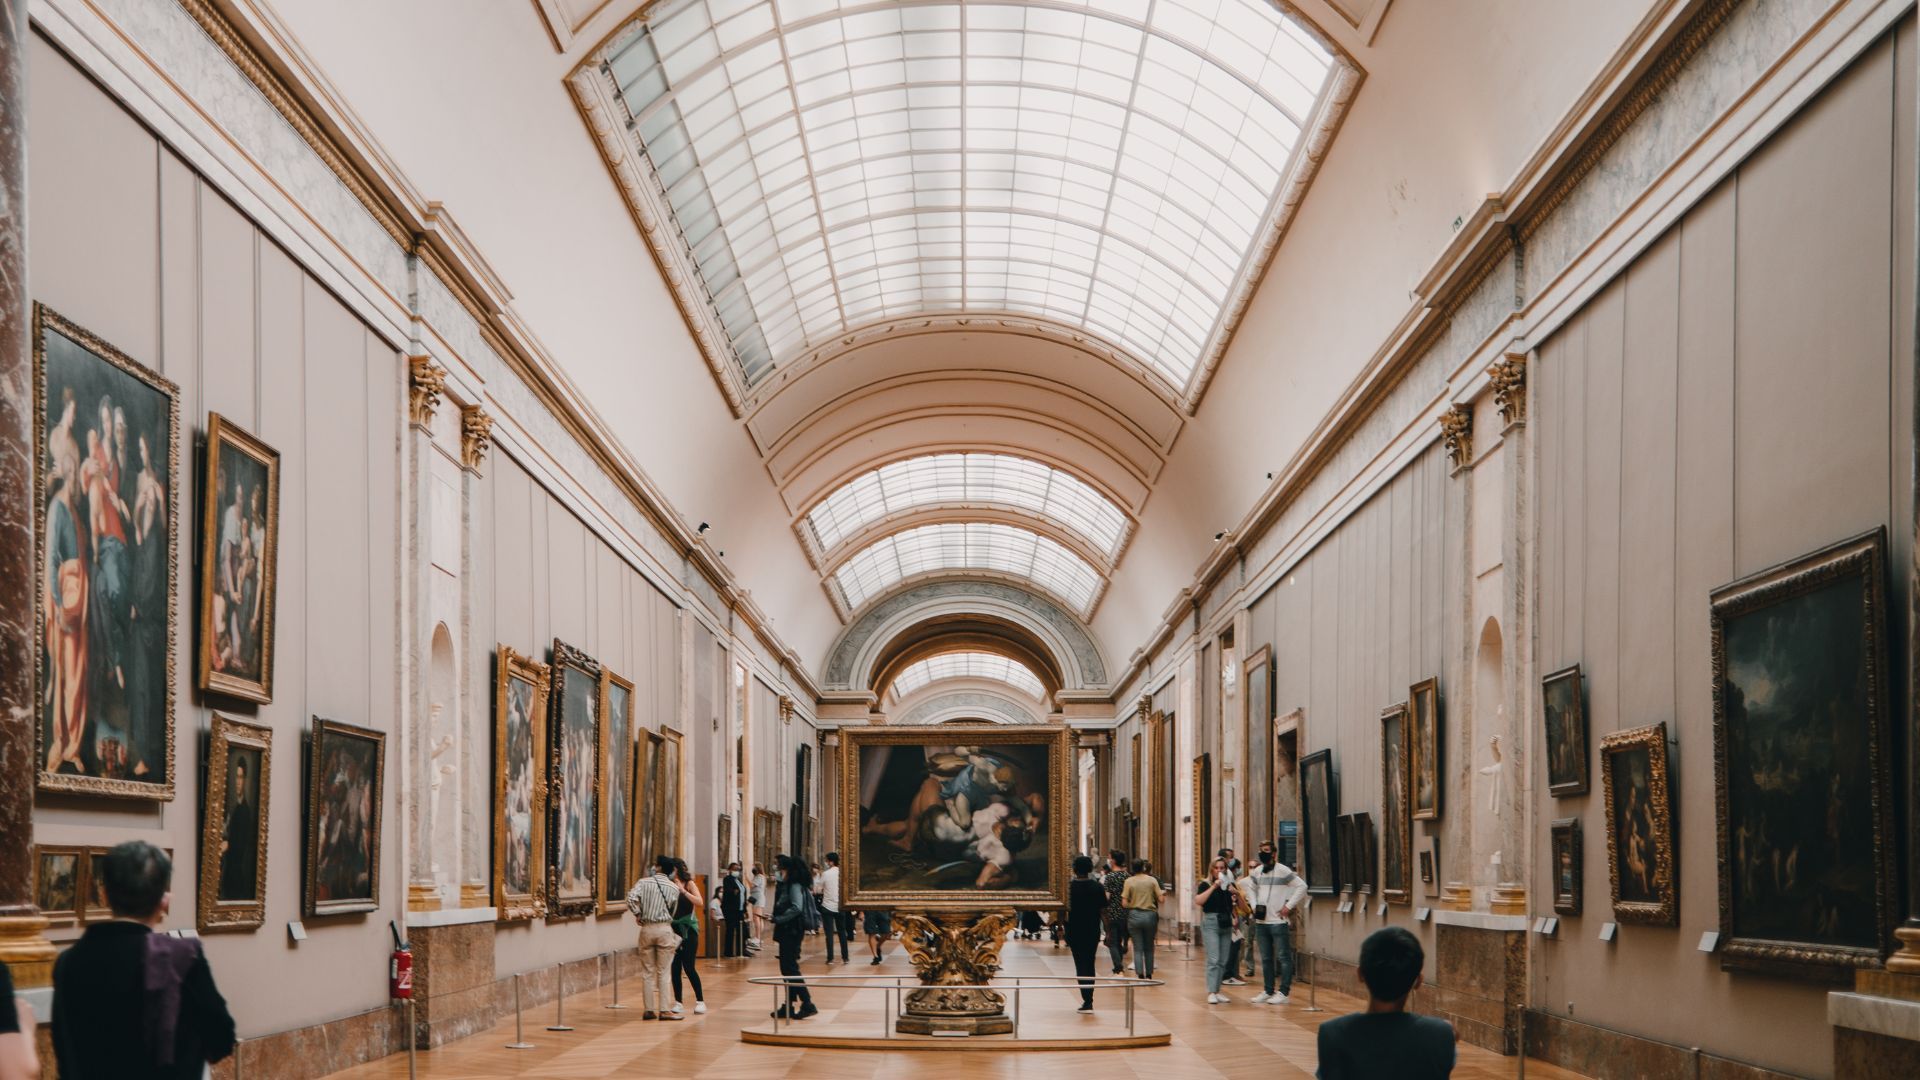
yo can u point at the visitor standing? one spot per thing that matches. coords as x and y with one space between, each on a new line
757 908
18 1061
1086 911
1275 891
1387 1040
128 1002
879 927
1141 897
1114 917
1215 896
791 903
733 912
652 901
687 926
830 914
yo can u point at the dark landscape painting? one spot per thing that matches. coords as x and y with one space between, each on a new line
1318 805
1566 736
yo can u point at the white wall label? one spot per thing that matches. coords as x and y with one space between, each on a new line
297 930
1710 941
1607 930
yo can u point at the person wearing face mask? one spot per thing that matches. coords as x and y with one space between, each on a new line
1215 896
733 912
792 902
1237 947
1274 890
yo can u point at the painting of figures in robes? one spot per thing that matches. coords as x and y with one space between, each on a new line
573 782
107 439
520 786
617 868
345 768
239 539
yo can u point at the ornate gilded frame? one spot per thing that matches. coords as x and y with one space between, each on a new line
508 667
324 729
46 319
79 854
1319 759
1564 833
1420 717
603 837
90 912
1400 892
1256 726
569 662
1057 738
214 913
1862 557
222 432
1664 911
669 791
1580 784
1202 815
766 843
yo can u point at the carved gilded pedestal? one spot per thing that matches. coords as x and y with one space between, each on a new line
964 951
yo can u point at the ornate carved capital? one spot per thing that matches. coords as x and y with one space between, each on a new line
426 382
1509 380
786 709
476 435
1456 424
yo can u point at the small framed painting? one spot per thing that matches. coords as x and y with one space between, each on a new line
1349 842
233 831
1640 862
1366 845
59 880
1565 715
346 765
1567 874
1423 747
239 537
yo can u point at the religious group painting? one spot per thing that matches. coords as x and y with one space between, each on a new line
1640 862
1320 801
520 786
1566 735
946 817
345 768
616 824
1423 747
239 538
573 782
1396 825
233 829
1803 745
107 451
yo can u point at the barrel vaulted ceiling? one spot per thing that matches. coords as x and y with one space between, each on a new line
964 269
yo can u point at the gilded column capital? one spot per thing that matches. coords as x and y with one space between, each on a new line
476 435
1508 377
786 709
426 381
1456 426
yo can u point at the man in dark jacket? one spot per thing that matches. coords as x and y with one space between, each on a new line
129 1004
733 909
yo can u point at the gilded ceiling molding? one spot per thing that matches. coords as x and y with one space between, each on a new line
1508 377
1456 426
476 436
426 381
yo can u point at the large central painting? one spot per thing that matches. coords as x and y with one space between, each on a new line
956 817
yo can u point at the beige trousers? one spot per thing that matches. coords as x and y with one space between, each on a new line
658 943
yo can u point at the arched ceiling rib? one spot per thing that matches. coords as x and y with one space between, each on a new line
955 547
966 664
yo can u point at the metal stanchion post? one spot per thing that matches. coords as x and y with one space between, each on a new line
1129 1010
239 1045
778 1003
616 980
1522 1074
519 1036
1016 1012
559 1000
1313 982
413 1043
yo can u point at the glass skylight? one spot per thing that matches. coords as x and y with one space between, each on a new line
968 665
988 546
1109 164
968 479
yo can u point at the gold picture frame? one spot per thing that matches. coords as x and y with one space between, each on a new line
59 897
520 685
94 904
1202 815
766 842
1640 869
1256 723
1056 745
573 799
1425 748
232 890
1396 821
248 453
346 771
81 364
616 826
668 773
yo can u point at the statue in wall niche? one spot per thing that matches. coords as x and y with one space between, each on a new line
1497 772
436 784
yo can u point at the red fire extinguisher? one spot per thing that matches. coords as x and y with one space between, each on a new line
400 967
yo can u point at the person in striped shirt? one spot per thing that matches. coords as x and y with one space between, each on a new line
652 901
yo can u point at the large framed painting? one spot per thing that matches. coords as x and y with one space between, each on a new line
573 782
1366 847
646 763
1802 763
1423 747
1565 714
1396 823
107 447
1349 841
233 826
766 841
239 538
615 831
59 881
1564 837
1320 801
1640 858
956 817
1202 815
346 767
1257 727
666 792
519 786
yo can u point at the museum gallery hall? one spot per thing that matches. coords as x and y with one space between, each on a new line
768 538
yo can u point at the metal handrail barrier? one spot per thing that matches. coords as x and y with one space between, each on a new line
898 985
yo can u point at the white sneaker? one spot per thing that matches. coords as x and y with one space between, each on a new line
1233 982
1259 999
1277 999
676 1007
699 1006
1213 999
1225 1000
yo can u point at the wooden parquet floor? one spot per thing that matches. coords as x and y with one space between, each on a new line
1209 1041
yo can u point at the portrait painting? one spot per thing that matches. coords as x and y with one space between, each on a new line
1320 801
1423 747
58 887
616 825
955 816
519 785
95 905
1396 825
1633 768
1366 843
233 826
239 538
573 781
1564 843
1566 734
1803 749
107 452
1349 841
346 767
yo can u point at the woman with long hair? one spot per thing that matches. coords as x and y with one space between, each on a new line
791 900
687 925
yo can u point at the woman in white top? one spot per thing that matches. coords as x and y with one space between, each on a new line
756 905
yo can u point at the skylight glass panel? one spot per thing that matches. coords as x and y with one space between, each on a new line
831 163
968 479
967 665
977 546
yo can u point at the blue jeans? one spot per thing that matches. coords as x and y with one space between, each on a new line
1275 940
1219 941
1141 927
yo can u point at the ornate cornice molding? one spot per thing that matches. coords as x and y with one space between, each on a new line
1456 427
476 436
426 381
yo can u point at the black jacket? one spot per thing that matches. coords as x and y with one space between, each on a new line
733 898
1086 905
99 1011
